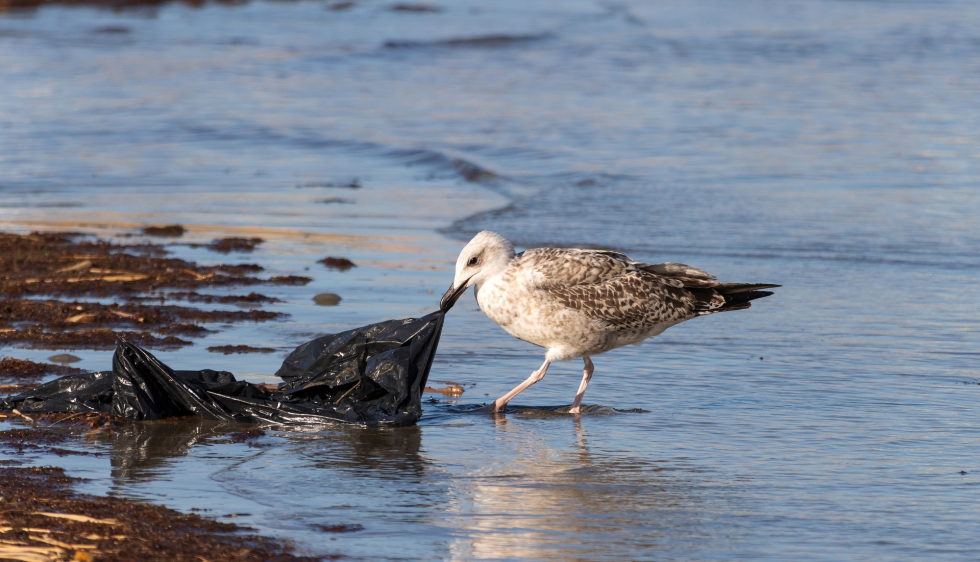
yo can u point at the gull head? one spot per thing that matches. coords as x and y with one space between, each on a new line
486 255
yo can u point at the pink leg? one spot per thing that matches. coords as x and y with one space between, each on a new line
586 377
501 402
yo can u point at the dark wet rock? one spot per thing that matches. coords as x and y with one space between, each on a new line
294 280
342 264
335 201
229 349
169 231
64 358
340 6
415 8
327 299
241 268
234 244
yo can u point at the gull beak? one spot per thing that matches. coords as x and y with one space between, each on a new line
451 296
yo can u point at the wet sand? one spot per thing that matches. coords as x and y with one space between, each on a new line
43 518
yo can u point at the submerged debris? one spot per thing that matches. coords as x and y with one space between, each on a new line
67 264
453 391
73 265
243 436
295 280
92 420
353 183
234 244
194 296
229 349
480 41
23 370
342 264
43 518
341 528
415 8
118 5
169 231
18 375
54 324
335 200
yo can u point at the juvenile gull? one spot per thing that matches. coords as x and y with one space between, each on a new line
580 303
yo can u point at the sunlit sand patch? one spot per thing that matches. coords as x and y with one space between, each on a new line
414 265
394 244
81 518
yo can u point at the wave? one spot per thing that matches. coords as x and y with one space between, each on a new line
463 168
440 163
479 41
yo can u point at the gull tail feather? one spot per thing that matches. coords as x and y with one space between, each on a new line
736 296
733 288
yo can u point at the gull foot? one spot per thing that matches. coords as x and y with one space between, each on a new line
492 408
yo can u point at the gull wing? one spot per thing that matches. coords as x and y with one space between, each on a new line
613 289
608 287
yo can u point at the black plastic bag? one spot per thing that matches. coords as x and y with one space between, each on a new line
370 375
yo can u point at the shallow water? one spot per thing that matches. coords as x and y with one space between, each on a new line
829 146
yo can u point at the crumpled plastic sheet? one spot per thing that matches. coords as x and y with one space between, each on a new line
370 375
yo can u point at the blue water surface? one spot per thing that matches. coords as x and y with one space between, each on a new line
829 146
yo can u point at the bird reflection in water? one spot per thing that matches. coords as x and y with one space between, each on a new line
572 504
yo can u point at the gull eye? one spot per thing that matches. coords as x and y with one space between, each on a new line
472 261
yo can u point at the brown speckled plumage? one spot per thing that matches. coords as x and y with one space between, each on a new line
585 302
578 303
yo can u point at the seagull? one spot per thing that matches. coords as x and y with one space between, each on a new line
581 302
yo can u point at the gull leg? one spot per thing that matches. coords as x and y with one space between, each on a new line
586 377
501 402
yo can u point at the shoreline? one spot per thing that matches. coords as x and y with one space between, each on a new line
43 517
284 251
